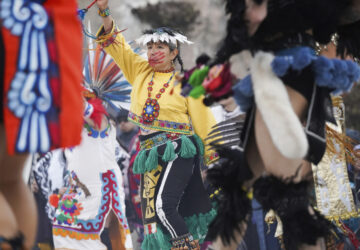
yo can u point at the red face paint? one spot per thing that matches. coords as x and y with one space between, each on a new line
156 58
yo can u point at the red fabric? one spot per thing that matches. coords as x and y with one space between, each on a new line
68 37
219 81
222 84
351 235
214 84
69 50
98 112
134 179
55 136
11 122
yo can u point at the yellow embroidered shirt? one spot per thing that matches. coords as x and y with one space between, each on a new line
177 113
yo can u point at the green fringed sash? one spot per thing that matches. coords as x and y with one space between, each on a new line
152 160
197 224
146 162
188 149
169 154
156 241
200 144
139 163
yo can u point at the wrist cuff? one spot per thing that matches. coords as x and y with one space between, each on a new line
104 13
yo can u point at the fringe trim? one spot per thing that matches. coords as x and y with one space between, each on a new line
169 154
197 224
339 75
344 217
156 241
188 149
332 73
147 162
152 160
200 144
139 163
75 235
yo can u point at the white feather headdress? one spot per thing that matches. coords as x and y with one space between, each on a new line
164 35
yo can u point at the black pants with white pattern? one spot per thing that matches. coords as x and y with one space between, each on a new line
179 193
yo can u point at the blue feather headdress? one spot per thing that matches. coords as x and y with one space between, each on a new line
105 79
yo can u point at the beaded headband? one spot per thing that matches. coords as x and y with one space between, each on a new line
160 35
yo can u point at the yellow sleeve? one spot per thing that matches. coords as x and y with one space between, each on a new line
202 120
114 44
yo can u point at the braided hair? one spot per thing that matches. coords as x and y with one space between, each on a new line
178 58
172 46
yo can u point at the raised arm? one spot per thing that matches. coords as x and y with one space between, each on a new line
116 46
107 20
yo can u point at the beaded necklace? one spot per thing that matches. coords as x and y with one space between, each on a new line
151 107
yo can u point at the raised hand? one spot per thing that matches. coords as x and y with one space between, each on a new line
102 4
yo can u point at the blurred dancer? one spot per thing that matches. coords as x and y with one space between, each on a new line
40 75
175 207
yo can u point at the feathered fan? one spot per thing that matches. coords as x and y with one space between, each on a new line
228 175
227 133
104 77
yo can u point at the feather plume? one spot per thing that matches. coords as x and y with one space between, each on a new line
147 39
156 37
172 40
227 131
163 37
99 111
105 79
234 206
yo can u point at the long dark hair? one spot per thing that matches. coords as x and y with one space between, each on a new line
322 16
237 38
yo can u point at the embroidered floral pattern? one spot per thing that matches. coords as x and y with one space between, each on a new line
211 158
69 209
158 140
175 127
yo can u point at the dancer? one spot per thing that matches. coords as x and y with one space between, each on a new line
95 191
174 203
95 194
40 97
288 86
